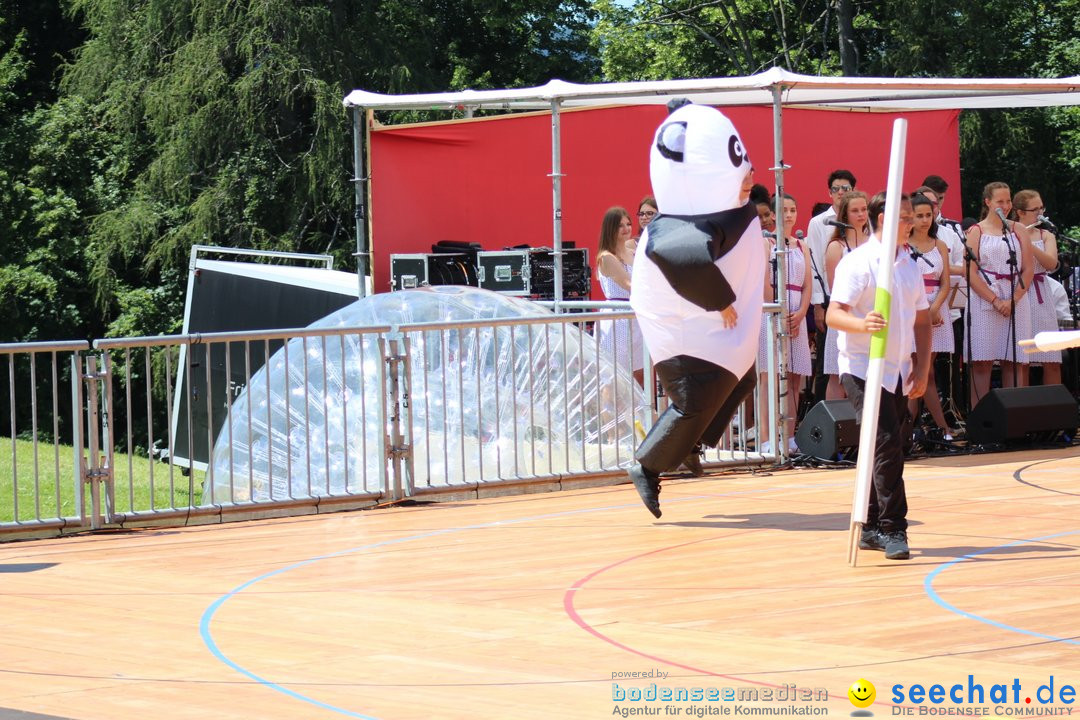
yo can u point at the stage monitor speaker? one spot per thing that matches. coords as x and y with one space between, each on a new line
1025 413
830 430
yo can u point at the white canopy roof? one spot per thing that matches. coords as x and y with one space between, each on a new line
801 90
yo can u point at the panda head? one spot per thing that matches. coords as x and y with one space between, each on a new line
697 163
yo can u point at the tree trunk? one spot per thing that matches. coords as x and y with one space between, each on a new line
845 30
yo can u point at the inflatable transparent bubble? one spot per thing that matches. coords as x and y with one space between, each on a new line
484 403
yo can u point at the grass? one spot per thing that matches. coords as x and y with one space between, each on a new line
32 490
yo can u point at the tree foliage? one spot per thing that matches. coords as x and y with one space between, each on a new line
40 268
1038 148
161 124
664 39
132 129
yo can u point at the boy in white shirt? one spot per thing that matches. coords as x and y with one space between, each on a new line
907 365
818 232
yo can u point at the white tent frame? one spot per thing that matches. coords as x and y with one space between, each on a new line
776 87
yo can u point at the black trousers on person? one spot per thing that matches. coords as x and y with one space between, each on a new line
703 397
888 500
958 389
819 380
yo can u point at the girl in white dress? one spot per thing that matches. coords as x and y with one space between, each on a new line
614 267
932 257
798 302
852 212
1027 206
998 288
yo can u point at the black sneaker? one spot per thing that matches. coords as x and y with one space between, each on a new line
896 547
648 487
693 463
870 539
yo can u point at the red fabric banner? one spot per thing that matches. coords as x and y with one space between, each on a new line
488 180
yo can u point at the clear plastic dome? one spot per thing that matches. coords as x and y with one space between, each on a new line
486 403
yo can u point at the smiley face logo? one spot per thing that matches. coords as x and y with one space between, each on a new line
862 693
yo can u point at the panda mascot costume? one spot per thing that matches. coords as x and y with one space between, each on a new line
699 275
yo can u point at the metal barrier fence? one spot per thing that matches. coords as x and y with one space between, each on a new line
177 429
41 475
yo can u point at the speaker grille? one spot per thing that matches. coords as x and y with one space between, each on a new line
829 430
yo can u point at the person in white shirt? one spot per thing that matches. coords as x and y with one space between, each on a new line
818 232
1062 308
699 278
952 232
907 365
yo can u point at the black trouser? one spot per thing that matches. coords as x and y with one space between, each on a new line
702 399
958 389
819 381
888 501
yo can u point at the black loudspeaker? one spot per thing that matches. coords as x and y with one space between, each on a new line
829 431
1025 413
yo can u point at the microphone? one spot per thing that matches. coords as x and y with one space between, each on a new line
799 235
837 223
766 233
1046 221
1001 214
915 255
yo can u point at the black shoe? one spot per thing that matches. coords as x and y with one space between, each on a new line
896 547
648 487
870 539
693 463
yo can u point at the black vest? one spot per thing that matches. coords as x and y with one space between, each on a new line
686 247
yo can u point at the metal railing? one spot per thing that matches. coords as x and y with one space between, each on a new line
40 474
202 428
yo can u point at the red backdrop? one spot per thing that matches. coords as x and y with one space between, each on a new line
486 180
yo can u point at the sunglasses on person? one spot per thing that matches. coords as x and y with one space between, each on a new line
839 189
646 214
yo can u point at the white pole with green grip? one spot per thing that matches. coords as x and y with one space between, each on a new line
864 465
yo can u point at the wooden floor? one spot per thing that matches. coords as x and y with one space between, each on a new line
527 606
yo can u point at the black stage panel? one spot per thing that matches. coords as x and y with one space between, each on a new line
236 296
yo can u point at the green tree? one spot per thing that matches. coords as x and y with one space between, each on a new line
226 118
40 264
664 39
1038 148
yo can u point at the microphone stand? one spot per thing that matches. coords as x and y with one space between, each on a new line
916 255
1014 278
780 274
817 276
969 258
956 359
784 336
820 333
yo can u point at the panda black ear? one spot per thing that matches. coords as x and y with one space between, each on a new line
671 141
676 103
